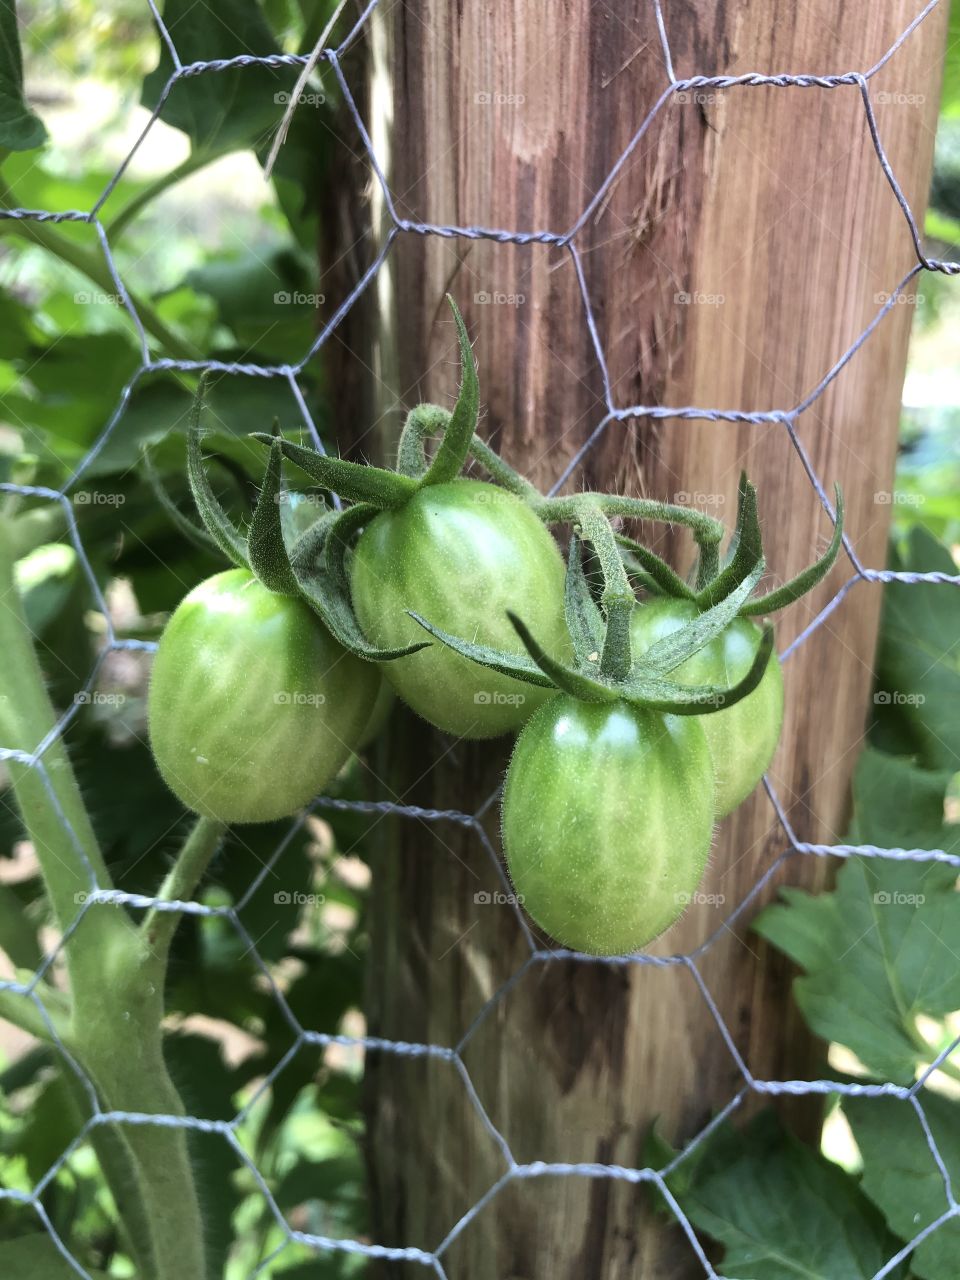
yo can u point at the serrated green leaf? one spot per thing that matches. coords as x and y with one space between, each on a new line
877 951
580 609
266 551
452 453
918 657
901 1177
671 652
507 664
782 1211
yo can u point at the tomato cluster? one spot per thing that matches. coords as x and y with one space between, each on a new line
641 719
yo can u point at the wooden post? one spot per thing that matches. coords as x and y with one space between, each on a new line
747 242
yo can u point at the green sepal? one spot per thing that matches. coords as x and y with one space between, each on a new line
563 677
385 490
452 452
318 559
195 533
805 581
216 521
655 572
698 700
673 650
708 564
423 420
266 549
746 544
584 621
517 665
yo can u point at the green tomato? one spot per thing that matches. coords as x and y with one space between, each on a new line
743 737
460 554
253 706
607 821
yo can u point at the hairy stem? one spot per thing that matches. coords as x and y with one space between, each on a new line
180 885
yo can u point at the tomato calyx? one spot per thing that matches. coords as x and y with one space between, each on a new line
605 669
312 570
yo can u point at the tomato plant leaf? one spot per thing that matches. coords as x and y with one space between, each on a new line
673 650
693 700
808 579
20 129
918 659
194 533
580 609
452 453
748 548
656 573
318 561
36 1257
359 482
876 950
901 1177
781 1210
218 524
507 664
576 683
265 546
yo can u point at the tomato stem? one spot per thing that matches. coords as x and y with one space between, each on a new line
160 924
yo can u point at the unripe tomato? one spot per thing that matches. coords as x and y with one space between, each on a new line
460 554
253 706
743 737
607 821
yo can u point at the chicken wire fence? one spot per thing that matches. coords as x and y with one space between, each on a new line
434 1260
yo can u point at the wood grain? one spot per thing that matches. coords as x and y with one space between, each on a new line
771 202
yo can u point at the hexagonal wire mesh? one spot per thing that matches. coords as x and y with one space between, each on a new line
288 373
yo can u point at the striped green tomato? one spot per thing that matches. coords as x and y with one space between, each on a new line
607 821
253 705
742 738
460 554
